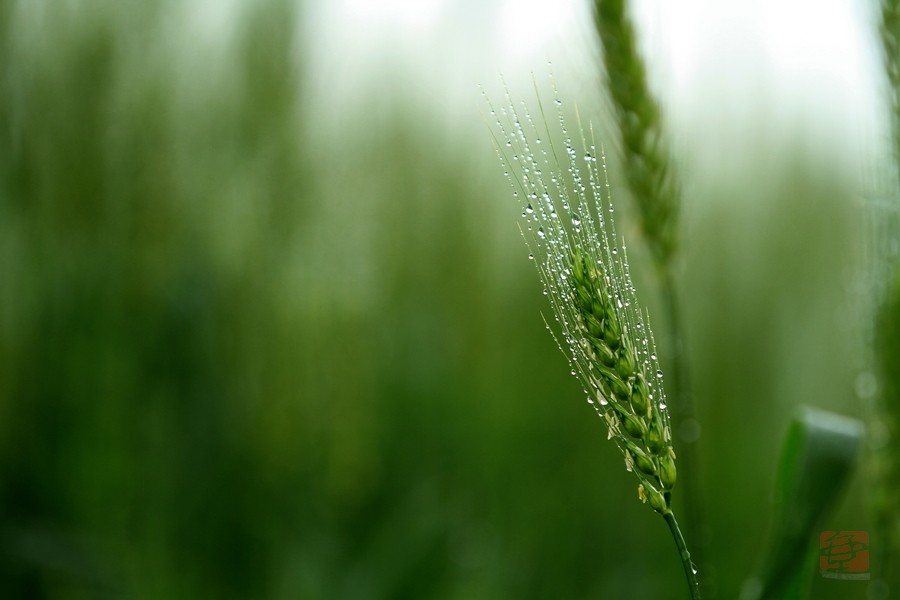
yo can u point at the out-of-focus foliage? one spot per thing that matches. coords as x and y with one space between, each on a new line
241 357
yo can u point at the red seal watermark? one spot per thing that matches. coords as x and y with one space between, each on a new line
844 554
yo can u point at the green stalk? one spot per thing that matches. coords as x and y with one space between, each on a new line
657 196
886 326
689 571
684 412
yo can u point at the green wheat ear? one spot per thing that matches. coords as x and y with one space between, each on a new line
569 228
646 162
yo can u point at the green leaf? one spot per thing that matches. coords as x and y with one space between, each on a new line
819 455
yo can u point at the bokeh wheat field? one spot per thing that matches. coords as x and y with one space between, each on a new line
268 329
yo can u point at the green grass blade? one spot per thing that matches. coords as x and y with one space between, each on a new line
819 455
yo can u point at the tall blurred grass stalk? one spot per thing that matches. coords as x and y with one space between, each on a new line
657 195
886 498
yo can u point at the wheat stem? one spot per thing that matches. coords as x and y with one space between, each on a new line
886 489
656 193
684 415
690 571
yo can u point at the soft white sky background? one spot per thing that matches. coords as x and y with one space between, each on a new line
807 69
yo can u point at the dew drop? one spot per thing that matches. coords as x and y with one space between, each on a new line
588 157
653 357
530 256
541 233
576 220
662 406
557 102
529 209
659 374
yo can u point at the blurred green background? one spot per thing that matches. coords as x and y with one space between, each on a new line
267 328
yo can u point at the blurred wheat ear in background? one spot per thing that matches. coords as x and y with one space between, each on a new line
653 183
